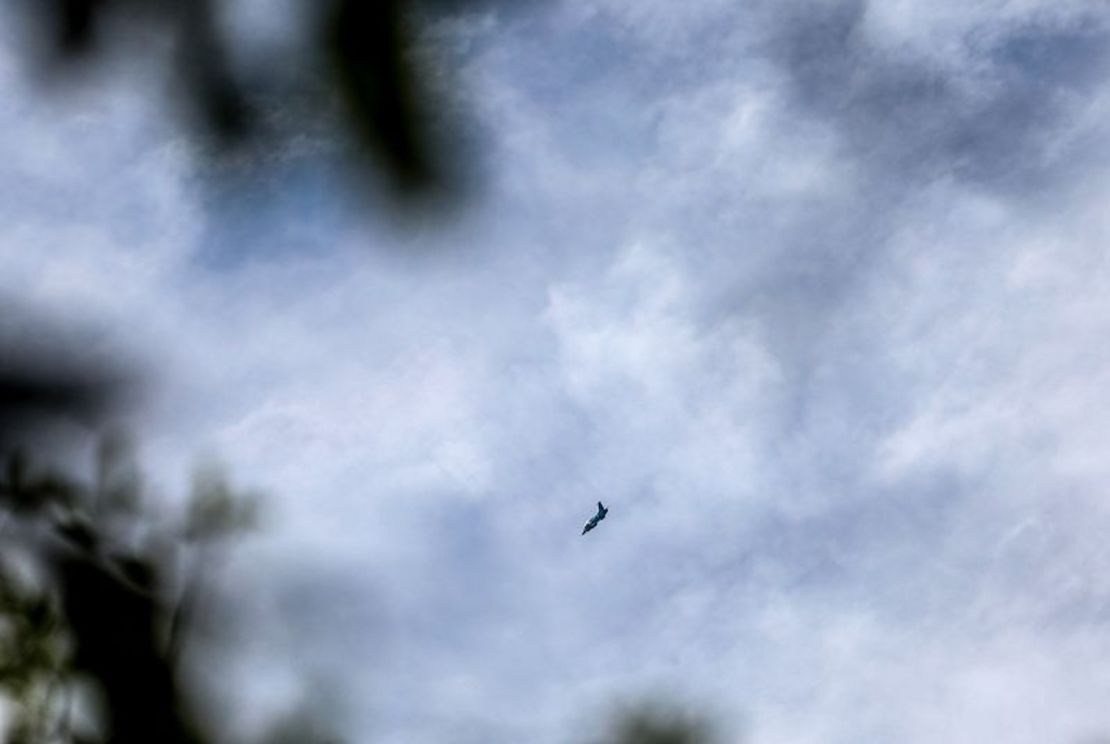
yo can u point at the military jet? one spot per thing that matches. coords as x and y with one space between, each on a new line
601 512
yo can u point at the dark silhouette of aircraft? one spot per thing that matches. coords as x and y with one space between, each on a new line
601 512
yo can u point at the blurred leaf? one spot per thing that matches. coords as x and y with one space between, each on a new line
25 492
204 66
660 725
366 41
215 511
302 726
118 481
44 382
76 24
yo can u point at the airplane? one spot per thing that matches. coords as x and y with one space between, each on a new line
601 512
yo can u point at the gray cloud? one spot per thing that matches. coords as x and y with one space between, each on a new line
996 123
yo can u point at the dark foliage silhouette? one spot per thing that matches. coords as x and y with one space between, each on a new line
80 597
80 600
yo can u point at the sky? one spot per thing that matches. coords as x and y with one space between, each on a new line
813 295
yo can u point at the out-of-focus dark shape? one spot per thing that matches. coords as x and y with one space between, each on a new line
114 624
45 382
35 391
216 511
304 725
23 492
653 724
80 600
203 61
75 24
365 41
118 481
94 584
31 653
100 609
369 66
